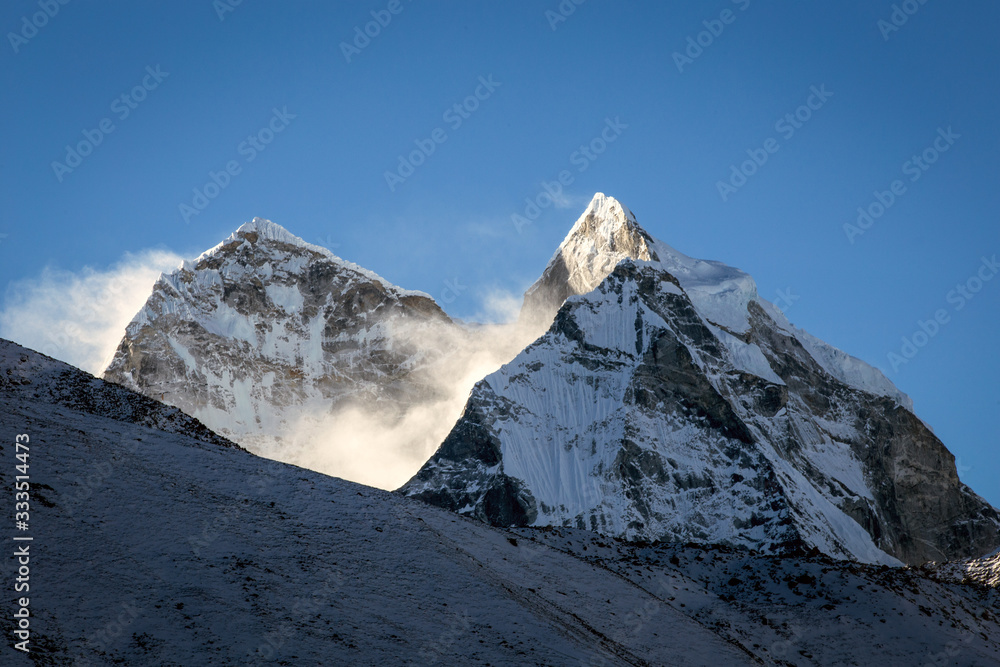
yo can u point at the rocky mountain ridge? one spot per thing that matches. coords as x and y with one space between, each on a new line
265 331
668 401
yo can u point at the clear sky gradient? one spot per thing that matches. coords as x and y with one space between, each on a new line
210 79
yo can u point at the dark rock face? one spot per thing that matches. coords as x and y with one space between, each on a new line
920 510
507 503
471 453
669 373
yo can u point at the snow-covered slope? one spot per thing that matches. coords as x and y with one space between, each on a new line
670 402
984 571
155 545
608 232
265 331
31 377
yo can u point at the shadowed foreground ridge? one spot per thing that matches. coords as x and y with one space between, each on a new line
160 546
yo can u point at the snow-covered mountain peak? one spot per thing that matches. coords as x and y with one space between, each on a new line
608 233
261 241
261 229
265 330
604 235
671 402
270 231
609 213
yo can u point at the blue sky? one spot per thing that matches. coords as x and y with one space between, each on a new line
337 123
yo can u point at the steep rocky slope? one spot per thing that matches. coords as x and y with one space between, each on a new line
30 377
669 401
